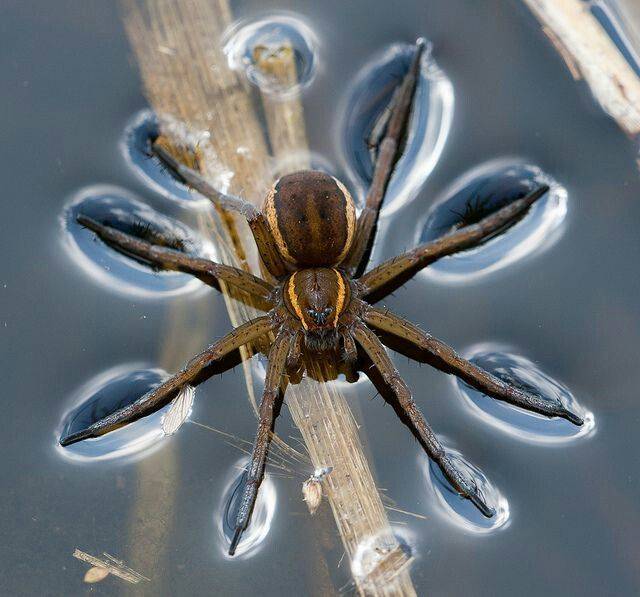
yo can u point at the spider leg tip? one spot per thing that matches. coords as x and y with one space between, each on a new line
477 500
236 539
72 438
573 418
485 509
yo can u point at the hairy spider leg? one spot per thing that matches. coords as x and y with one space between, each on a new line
267 416
257 221
393 273
158 397
368 340
446 359
165 258
356 260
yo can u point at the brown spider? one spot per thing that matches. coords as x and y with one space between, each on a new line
320 304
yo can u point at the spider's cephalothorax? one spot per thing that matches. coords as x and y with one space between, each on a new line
315 251
318 297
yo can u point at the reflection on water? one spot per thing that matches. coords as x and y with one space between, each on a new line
429 125
118 208
611 15
522 373
135 147
249 41
261 519
458 509
73 78
103 395
478 193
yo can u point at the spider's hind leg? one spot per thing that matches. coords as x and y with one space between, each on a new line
193 373
440 355
385 376
388 152
267 416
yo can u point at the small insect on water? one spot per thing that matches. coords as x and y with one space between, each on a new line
319 303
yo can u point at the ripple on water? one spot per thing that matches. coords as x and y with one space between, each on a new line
139 134
428 128
122 210
521 372
103 395
457 508
261 518
484 190
372 551
249 41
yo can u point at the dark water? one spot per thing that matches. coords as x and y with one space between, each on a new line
553 304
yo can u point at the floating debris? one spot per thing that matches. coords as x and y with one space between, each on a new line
179 411
312 488
110 565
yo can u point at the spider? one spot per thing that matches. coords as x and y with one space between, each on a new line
319 300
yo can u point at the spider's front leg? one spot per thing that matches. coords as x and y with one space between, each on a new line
257 221
158 397
381 361
388 154
268 413
393 273
443 357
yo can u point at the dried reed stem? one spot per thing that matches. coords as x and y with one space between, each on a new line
178 47
590 53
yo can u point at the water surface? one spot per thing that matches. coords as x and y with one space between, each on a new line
70 92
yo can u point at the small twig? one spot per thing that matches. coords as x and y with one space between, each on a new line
112 565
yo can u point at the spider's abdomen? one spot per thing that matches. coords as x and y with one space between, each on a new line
312 218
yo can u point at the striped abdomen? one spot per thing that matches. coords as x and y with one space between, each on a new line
312 218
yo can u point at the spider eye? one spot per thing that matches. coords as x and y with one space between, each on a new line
320 317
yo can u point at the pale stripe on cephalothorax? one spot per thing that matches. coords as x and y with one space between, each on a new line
350 215
342 294
293 298
272 218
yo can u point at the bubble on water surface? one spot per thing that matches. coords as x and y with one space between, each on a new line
122 210
104 394
251 41
522 373
429 125
480 192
